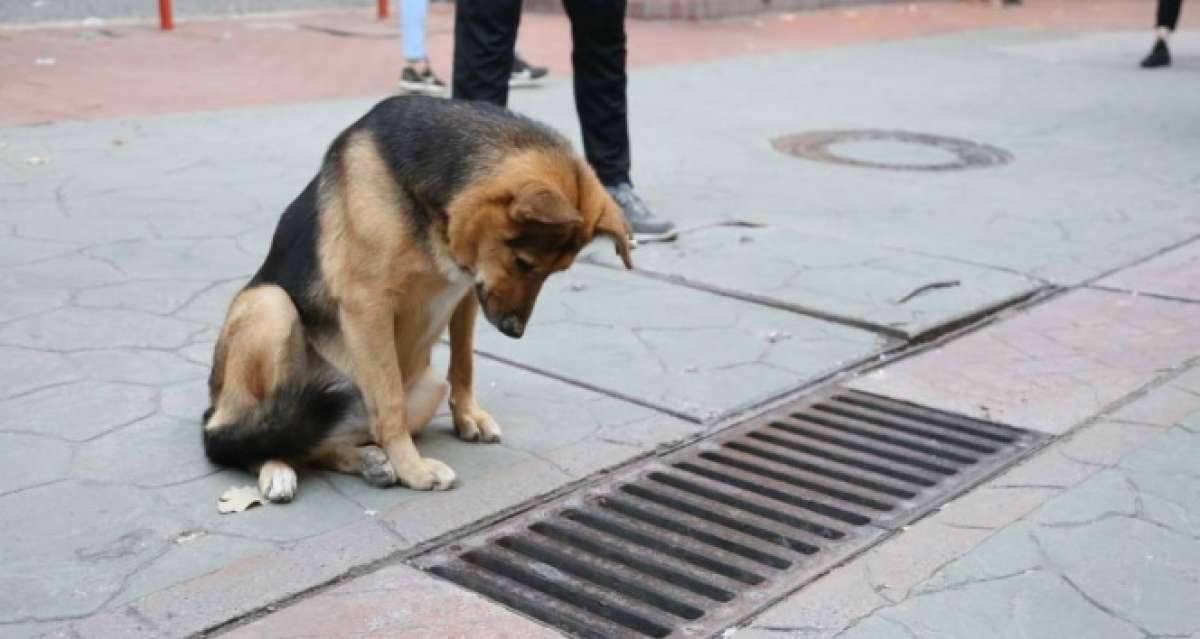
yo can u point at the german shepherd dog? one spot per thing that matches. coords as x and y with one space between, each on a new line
423 211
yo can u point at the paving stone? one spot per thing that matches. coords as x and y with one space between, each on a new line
1164 407
1106 494
255 582
398 602
1150 576
18 250
316 509
1172 501
913 555
210 306
1104 443
72 329
1173 453
1011 551
825 608
625 339
1174 274
158 297
1051 367
994 505
25 370
856 280
79 411
191 554
138 366
1033 605
186 401
87 537
67 273
155 451
29 460
208 259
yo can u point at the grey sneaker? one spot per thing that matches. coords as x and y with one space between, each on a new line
646 227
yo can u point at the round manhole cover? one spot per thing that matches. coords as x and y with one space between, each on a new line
893 150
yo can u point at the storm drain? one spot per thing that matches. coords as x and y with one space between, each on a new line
690 543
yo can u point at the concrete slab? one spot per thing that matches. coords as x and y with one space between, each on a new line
1053 366
395 602
1175 273
688 352
857 281
1118 49
1095 561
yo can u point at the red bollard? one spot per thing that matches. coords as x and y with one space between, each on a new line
166 21
383 9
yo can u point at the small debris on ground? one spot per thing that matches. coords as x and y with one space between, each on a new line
45 61
188 535
37 160
239 498
774 336
578 286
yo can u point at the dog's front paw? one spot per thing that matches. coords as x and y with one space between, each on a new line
475 425
426 474
376 467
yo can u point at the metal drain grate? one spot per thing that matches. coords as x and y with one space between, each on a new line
695 541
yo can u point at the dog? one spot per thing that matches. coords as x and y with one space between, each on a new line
423 212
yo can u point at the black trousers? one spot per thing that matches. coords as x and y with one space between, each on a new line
485 32
1168 13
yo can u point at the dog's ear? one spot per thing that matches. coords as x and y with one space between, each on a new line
539 204
598 205
612 224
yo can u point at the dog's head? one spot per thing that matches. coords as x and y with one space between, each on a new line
530 221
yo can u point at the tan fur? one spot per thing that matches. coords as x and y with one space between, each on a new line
394 296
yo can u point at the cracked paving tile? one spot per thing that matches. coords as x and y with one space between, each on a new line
52 567
845 278
191 554
73 329
1107 493
138 366
1150 577
1053 366
29 460
1028 605
157 297
206 259
168 451
24 371
78 411
316 509
625 340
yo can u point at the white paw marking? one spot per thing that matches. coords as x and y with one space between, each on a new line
281 485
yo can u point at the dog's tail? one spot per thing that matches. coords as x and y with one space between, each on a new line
287 425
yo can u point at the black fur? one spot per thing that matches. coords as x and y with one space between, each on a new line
289 424
434 147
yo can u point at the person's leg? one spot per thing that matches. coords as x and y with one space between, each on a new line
485 33
598 56
413 18
1166 20
1168 15
417 76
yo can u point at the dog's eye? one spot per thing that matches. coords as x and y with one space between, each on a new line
524 265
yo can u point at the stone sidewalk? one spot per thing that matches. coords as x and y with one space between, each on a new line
122 240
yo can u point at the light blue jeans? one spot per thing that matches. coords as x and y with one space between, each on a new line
412 26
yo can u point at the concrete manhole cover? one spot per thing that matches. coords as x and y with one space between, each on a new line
893 150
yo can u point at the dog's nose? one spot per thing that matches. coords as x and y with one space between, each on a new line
512 326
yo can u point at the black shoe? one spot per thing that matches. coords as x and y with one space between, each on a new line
646 227
1159 56
525 74
421 83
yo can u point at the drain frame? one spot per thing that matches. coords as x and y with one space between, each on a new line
718 515
814 145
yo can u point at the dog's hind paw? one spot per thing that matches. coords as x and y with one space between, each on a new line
427 474
277 481
376 467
